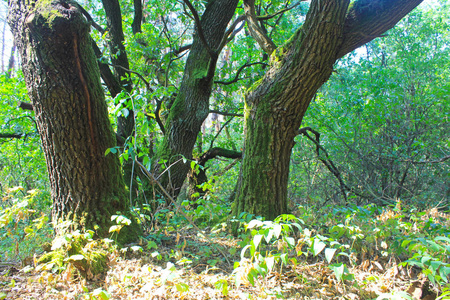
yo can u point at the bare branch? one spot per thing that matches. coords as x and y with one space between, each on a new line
25 105
13 135
327 161
445 158
147 84
212 111
268 17
236 78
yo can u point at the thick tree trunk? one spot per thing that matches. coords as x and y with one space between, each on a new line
191 106
275 107
63 82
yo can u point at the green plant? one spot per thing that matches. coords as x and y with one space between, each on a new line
24 223
78 249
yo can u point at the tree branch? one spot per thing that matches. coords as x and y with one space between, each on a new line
137 20
212 111
256 31
430 161
231 32
236 78
367 20
13 135
201 35
217 151
89 18
112 84
268 17
25 105
220 130
327 161
147 84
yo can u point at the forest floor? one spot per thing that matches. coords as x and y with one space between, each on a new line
182 263
139 275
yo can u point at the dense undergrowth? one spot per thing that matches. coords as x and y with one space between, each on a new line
344 252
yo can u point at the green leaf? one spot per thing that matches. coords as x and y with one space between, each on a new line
338 270
442 238
76 257
290 241
276 230
101 294
329 253
270 262
182 287
318 246
257 239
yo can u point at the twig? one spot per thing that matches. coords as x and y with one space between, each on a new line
220 130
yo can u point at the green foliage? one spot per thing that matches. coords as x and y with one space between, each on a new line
343 236
24 223
279 242
21 159
383 117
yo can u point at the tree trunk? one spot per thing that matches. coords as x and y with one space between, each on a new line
191 106
63 82
275 106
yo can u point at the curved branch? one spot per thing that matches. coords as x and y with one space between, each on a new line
217 151
268 17
157 118
236 78
367 20
327 161
147 84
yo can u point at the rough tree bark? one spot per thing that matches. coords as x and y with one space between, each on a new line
63 82
191 106
276 105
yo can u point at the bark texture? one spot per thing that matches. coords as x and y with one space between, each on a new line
191 106
63 82
275 106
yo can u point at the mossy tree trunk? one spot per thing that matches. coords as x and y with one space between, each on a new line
191 106
275 106
63 82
